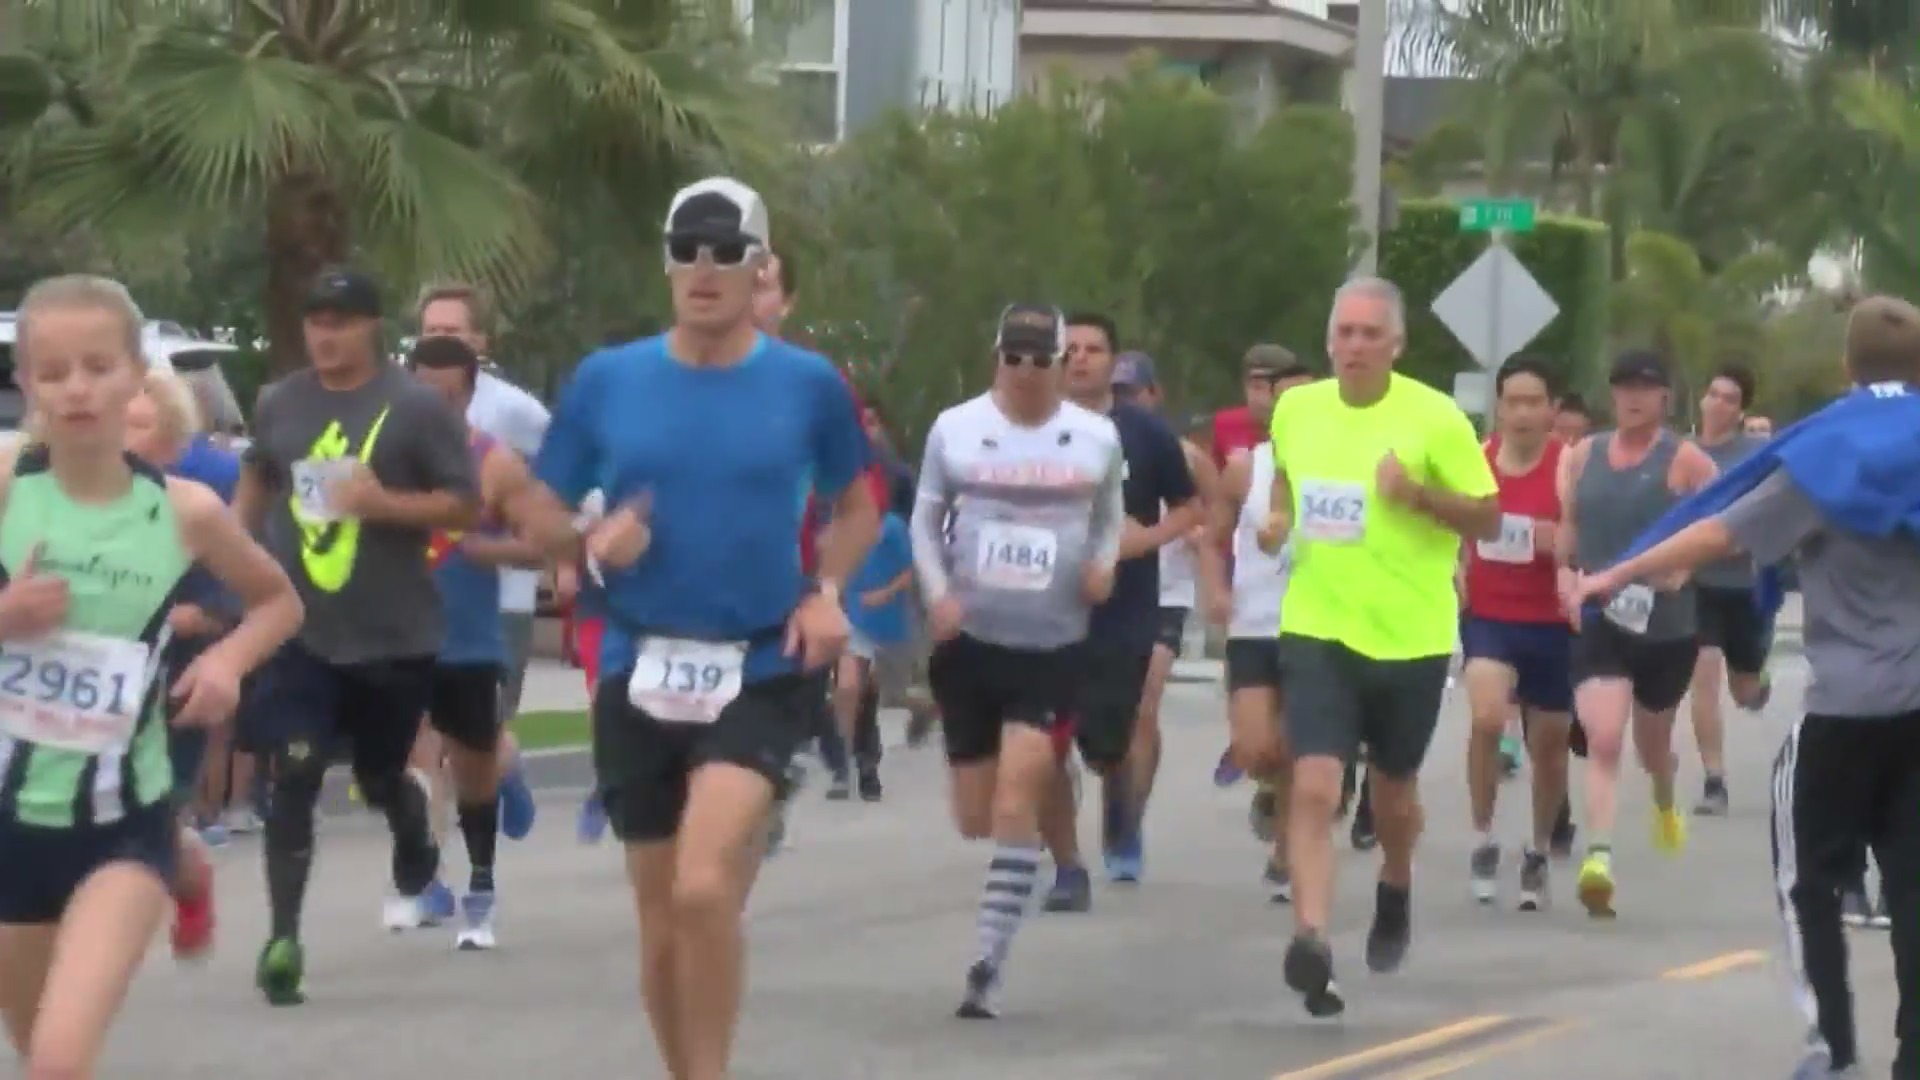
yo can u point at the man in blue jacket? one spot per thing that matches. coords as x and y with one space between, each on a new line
1838 490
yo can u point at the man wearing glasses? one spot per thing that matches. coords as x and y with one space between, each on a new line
1015 535
712 631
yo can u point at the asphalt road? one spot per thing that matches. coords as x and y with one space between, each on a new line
861 931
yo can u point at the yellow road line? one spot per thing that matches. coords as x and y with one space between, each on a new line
1718 965
1453 1063
1426 1041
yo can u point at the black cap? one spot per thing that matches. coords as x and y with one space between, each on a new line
342 291
1031 330
1639 367
1134 371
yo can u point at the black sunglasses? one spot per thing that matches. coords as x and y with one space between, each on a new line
685 250
1040 361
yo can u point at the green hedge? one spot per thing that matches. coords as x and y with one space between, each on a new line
1570 258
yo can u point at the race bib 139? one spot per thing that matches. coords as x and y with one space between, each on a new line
686 682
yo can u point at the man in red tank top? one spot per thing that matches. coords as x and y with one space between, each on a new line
1515 634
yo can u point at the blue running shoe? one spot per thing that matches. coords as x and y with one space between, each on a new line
592 824
1072 890
1226 773
214 834
1126 860
517 808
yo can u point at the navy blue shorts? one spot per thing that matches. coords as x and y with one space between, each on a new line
45 867
188 749
366 713
1540 654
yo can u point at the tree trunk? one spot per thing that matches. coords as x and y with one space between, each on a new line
307 231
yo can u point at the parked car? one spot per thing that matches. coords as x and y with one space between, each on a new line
168 346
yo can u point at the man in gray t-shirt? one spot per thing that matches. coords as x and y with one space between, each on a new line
353 467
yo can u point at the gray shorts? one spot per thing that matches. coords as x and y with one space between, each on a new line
1339 700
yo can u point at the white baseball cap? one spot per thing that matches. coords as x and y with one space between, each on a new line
719 208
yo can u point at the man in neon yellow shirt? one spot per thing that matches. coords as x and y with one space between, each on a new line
1376 479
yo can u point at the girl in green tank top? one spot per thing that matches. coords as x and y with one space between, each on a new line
93 545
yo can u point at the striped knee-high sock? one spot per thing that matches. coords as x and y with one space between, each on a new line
1004 899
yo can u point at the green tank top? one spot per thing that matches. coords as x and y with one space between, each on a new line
83 732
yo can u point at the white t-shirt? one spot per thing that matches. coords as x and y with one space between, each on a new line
518 420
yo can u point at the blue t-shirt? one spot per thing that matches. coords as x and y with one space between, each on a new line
203 461
729 456
1156 473
891 556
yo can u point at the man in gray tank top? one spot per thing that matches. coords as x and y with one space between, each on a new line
1635 656
1849 774
1735 635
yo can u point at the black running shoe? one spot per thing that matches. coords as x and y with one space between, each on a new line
1308 969
1392 932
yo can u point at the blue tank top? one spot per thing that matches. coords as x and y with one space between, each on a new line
469 591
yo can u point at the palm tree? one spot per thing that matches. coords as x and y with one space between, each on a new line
427 137
1568 74
1887 115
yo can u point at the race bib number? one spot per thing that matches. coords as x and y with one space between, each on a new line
1017 557
1631 609
686 682
73 691
1332 513
1515 544
312 477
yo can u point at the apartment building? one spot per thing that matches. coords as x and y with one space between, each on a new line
844 63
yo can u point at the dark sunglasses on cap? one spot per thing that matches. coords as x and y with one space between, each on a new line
685 250
1040 361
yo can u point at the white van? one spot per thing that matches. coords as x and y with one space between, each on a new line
168 346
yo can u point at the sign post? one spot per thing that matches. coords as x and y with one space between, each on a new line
1495 307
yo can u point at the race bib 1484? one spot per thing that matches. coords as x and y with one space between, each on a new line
1332 512
1017 557
686 682
73 691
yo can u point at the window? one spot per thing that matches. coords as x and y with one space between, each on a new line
805 42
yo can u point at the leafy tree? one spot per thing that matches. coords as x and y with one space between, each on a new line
428 137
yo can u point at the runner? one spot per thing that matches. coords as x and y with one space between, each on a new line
1191 574
1263 368
518 420
353 465
94 544
1848 775
162 424
1734 635
1255 695
1571 420
1759 427
1376 479
1032 483
877 613
713 635
1515 637
470 670
1633 662
1108 725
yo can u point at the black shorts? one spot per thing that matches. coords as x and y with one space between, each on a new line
464 704
1660 670
1339 701
1173 630
1113 677
1731 622
1253 662
979 686
45 867
642 765
367 712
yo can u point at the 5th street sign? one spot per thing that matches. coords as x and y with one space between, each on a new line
1505 215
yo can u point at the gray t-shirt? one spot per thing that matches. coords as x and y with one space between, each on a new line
369 592
1008 517
1735 572
1862 598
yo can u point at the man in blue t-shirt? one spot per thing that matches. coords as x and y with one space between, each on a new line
708 442
877 611
1121 635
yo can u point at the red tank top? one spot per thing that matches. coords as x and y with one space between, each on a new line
1507 590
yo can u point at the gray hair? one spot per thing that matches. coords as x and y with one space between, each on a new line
1373 288
88 291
